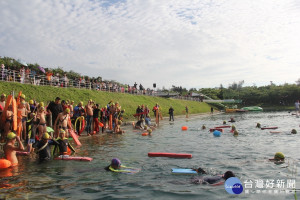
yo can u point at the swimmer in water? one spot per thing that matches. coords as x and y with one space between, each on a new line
278 158
200 170
214 180
114 165
231 119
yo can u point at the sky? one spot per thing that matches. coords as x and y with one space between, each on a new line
193 44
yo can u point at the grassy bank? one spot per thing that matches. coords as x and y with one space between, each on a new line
127 101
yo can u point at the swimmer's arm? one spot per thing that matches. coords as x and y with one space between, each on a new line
219 183
21 147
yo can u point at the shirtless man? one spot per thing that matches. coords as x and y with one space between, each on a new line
2 101
62 122
2 104
112 110
89 116
41 118
71 108
8 120
24 112
10 149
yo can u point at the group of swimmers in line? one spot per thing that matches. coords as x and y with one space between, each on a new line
116 166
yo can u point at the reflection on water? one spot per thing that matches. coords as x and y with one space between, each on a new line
247 155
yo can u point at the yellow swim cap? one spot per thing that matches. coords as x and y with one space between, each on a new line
11 135
149 130
3 95
279 156
23 102
42 103
62 131
67 110
42 108
23 96
31 102
46 136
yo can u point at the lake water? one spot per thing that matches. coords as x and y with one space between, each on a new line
246 155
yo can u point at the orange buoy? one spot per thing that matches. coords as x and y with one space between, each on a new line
184 128
100 124
4 163
145 134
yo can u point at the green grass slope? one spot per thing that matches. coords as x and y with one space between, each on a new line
127 101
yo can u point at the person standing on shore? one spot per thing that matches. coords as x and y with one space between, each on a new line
89 117
187 112
171 113
54 108
211 110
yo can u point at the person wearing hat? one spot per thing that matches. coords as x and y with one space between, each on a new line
278 158
10 149
41 120
62 122
116 166
23 114
43 147
63 144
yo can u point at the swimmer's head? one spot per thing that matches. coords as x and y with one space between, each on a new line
200 170
149 130
119 122
224 122
46 136
3 95
11 136
67 110
279 156
62 133
235 133
23 96
115 163
228 175
258 125
293 131
42 108
42 103
31 102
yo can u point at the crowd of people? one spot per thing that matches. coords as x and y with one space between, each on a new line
40 126
43 77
